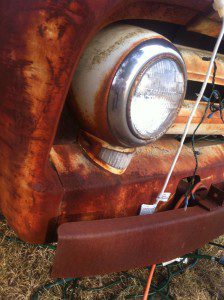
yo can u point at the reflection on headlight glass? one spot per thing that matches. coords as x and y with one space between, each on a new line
156 99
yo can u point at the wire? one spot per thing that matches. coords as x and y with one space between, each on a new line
48 286
195 152
193 112
70 286
161 289
197 187
214 107
149 282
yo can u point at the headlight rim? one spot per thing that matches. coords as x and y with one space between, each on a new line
124 80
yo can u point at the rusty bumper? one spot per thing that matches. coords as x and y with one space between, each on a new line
104 246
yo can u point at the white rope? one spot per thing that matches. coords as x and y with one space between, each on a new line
195 107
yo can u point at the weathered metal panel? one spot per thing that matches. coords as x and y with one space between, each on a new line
210 126
197 63
207 24
93 193
40 44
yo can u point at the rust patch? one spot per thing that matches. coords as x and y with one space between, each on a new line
197 67
205 25
210 126
30 89
166 11
91 192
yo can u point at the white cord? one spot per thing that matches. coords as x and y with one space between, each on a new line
192 113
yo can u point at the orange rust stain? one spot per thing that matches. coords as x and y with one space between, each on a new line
205 25
168 12
38 54
91 193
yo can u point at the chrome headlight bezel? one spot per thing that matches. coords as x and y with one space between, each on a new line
127 76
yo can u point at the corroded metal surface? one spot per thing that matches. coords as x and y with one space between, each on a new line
93 193
208 24
197 63
40 44
210 126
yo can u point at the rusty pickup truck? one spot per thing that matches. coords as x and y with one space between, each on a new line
94 96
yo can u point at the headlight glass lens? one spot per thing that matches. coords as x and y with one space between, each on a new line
155 99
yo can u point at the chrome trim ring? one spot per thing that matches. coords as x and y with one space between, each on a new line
134 64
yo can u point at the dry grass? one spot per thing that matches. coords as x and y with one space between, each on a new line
24 268
205 281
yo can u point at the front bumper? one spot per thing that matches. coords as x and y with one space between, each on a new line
104 246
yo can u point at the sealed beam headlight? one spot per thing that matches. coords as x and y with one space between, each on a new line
155 98
126 91
147 92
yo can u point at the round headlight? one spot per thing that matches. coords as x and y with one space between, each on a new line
147 92
155 98
128 86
